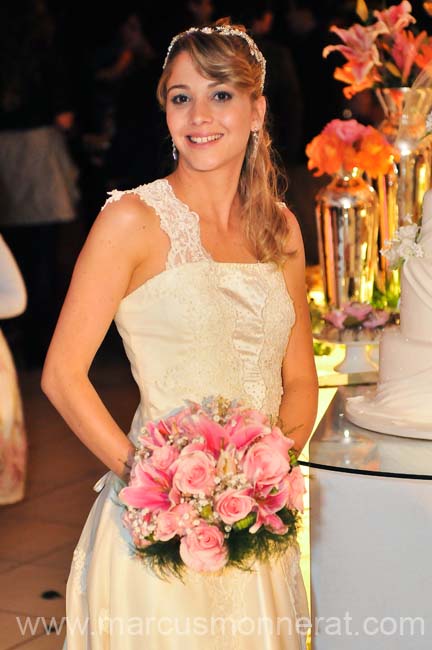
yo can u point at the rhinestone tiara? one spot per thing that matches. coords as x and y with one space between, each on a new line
224 30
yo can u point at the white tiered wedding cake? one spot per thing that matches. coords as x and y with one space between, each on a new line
402 402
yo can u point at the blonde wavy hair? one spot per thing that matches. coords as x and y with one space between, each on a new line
261 187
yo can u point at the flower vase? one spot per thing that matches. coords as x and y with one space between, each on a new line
347 224
401 191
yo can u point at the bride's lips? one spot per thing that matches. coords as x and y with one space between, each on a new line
199 141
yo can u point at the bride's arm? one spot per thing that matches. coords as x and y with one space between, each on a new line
116 245
300 384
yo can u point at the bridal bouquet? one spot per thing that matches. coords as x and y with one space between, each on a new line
384 51
213 485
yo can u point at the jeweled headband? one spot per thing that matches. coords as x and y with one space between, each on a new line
225 30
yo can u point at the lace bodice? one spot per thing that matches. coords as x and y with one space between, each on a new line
202 327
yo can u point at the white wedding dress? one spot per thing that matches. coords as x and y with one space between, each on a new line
198 328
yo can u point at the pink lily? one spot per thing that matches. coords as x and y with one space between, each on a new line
215 435
245 428
355 85
358 47
335 318
155 434
396 18
405 49
149 488
378 319
244 435
357 310
267 508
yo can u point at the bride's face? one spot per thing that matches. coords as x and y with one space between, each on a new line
210 122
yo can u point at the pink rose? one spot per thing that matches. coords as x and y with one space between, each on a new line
265 466
195 473
175 522
349 131
233 505
296 489
335 318
203 549
277 440
357 310
163 457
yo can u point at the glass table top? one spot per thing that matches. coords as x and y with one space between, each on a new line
341 446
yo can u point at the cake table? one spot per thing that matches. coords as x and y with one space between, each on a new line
371 535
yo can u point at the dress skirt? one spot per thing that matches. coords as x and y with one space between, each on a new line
13 441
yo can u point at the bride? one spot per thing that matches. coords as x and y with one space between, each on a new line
203 273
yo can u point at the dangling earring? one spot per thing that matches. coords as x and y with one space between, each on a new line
255 137
174 150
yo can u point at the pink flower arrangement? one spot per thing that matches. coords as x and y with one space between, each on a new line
212 485
386 53
346 144
354 319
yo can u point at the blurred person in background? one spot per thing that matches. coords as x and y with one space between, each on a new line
200 12
282 85
38 179
133 154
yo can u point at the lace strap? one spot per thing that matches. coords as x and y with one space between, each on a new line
176 220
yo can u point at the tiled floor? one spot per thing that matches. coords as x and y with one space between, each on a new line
38 535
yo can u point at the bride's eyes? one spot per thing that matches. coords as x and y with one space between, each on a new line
219 96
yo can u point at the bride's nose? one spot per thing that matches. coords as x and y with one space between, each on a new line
200 112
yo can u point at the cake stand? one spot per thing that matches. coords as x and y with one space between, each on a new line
358 354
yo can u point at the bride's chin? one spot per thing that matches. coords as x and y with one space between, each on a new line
207 163
203 165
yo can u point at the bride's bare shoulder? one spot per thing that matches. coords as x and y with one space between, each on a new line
126 219
124 207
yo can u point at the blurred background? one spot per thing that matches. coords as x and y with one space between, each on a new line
79 118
